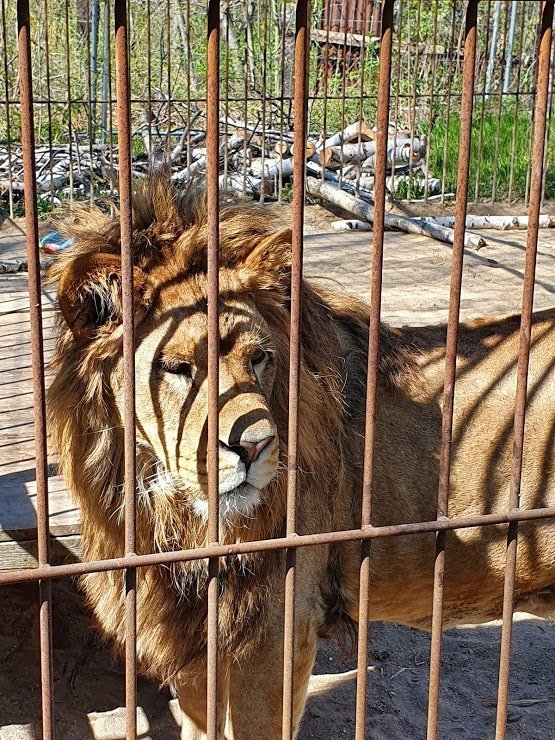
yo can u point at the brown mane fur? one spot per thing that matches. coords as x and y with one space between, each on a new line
169 251
169 244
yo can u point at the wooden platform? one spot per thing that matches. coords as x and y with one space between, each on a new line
18 518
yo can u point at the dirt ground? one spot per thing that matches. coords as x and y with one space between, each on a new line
89 689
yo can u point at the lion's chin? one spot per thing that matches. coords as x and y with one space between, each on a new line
235 504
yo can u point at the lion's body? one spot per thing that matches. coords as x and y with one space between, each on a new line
86 407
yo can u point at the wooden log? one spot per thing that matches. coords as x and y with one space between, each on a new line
365 153
340 38
316 170
272 168
397 156
281 148
325 156
233 144
501 223
365 211
239 183
353 131
351 224
310 149
353 152
44 185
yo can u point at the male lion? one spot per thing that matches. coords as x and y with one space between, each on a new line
86 411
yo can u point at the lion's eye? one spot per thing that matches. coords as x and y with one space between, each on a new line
183 369
258 357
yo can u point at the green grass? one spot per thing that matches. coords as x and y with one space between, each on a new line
45 208
491 154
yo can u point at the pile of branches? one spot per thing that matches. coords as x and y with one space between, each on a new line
253 160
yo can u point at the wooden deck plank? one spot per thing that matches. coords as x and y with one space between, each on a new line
18 519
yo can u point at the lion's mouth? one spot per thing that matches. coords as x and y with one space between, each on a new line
240 491
240 501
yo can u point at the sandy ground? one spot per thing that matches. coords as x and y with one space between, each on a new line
89 690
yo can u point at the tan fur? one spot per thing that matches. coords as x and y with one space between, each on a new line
86 411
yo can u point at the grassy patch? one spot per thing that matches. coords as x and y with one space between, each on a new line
491 154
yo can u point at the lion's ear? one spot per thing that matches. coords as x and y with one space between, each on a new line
270 260
89 294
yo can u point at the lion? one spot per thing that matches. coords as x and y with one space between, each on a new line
170 303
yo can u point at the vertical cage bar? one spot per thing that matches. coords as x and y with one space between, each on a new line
397 76
431 109
386 48
452 52
542 89
467 100
90 106
169 144
517 107
48 97
7 106
302 42
412 113
547 153
150 146
126 220
37 353
189 79
212 194
362 58
482 113
69 100
538 33
263 101
499 107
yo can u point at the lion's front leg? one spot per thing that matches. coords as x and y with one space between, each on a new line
192 701
256 687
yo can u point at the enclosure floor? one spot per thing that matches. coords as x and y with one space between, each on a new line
89 688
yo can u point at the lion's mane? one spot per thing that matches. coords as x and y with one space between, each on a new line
169 243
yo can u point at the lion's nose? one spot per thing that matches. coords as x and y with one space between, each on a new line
250 451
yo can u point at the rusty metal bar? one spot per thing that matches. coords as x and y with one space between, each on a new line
302 43
538 33
431 111
412 115
517 108
37 353
282 96
7 106
252 99
212 195
499 109
48 95
168 56
482 110
90 104
69 100
544 58
451 357
362 57
263 101
449 95
386 48
280 543
126 221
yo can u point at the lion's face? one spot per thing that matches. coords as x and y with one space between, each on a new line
171 353
172 398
